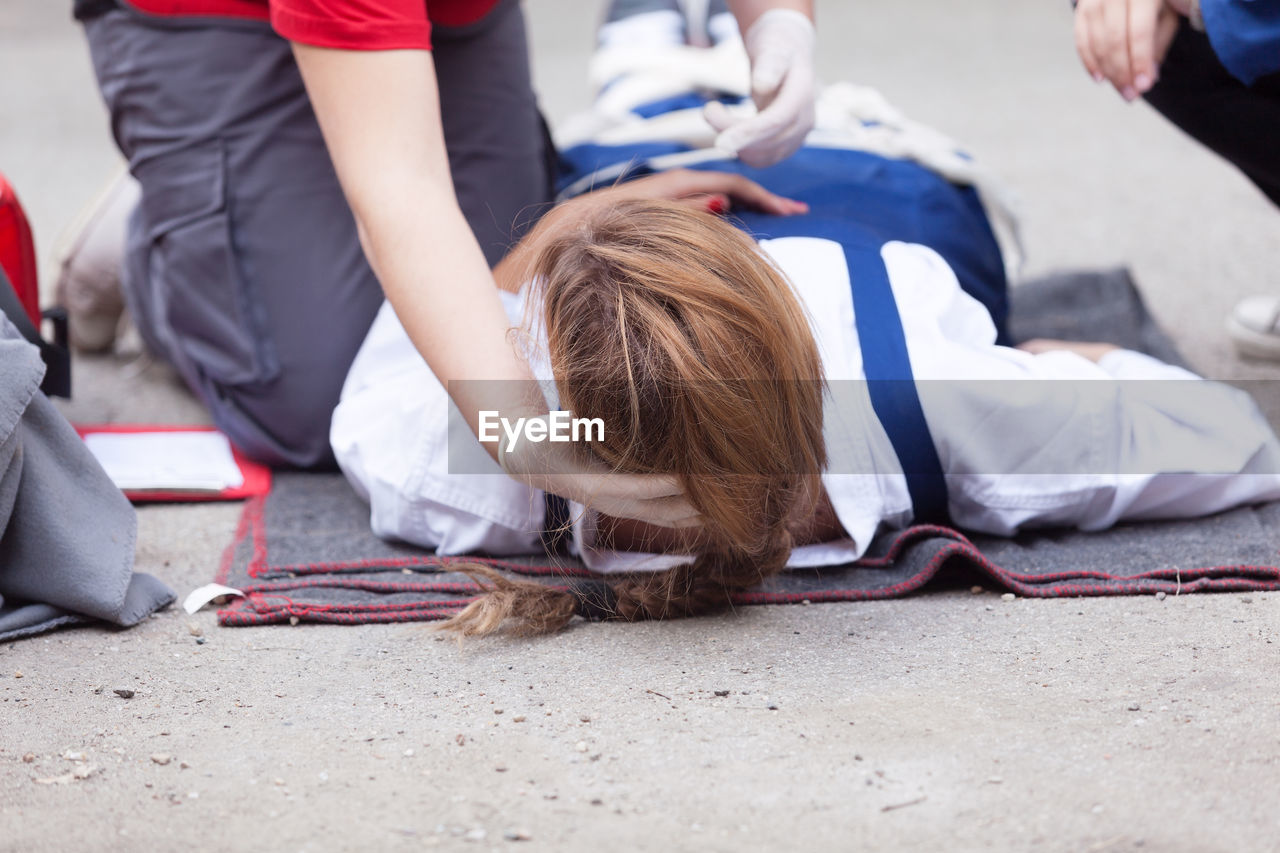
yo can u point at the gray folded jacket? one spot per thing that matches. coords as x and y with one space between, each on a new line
67 534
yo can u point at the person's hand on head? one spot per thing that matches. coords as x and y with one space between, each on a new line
704 190
1124 41
559 468
780 46
715 192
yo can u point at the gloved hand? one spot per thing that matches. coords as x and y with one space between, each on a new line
567 471
780 46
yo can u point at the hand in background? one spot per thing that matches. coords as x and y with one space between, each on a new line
1124 41
703 190
708 190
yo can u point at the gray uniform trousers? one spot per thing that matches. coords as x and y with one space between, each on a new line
243 268
66 533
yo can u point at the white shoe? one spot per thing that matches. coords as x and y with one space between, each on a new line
90 260
1254 327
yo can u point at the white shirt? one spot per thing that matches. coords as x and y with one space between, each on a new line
1016 454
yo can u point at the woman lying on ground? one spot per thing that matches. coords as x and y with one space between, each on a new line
811 378
738 367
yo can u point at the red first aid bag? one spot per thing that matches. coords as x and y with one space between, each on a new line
18 252
20 293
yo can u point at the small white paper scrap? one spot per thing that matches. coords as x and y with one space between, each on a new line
202 596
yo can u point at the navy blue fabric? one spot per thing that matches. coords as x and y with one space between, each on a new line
886 363
891 384
886 199
1245 35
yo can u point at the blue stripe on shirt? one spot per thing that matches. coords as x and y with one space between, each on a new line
1245 35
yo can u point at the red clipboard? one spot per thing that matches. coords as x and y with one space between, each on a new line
257 477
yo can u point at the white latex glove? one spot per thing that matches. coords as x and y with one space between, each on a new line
558 468
780 46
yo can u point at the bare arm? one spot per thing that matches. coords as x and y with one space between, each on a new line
1085 349
380 116
748 11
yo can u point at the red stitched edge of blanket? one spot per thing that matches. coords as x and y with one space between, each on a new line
265 602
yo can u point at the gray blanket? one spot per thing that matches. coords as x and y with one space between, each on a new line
306 552
66 533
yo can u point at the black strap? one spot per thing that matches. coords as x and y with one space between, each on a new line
556 527
57 358
597 601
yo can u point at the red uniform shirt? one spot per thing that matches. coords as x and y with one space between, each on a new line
350 24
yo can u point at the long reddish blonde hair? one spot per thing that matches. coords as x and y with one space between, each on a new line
671 326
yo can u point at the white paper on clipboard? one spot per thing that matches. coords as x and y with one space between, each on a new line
169 461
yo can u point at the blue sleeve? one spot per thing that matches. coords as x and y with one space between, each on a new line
1245 34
